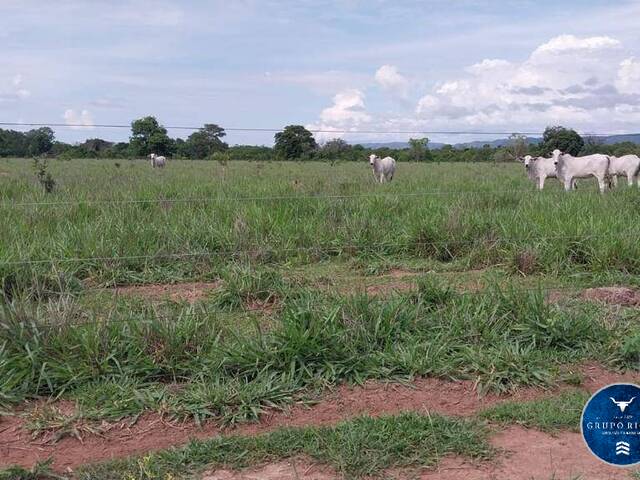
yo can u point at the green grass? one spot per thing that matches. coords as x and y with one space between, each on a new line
196 362
499 219
356 448
548 414
40 471
304 253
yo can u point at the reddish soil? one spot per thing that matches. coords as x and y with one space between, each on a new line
179 292
151 432
525 455
530 455
623 296
386 288
292 469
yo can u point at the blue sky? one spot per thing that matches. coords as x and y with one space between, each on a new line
331 64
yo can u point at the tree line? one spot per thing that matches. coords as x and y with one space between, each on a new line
295 142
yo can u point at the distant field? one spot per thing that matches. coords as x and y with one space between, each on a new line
472 214
204 293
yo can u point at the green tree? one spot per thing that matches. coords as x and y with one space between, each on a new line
12 144
419 149
564 139
518 146
205 142
39 141
295 143
148 136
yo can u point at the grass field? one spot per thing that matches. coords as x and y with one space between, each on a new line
317 277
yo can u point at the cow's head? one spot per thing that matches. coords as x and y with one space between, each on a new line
372 158
556 155
527 161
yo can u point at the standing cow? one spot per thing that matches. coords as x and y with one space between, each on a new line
628 166
570 168
383 168
157 160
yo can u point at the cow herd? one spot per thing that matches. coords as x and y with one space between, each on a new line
567 169
563 166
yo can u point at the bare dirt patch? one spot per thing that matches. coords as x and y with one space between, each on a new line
400 273
387 288
177 292
292 469
623 296
151 432
529 455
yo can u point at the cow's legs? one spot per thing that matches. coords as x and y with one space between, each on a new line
568 182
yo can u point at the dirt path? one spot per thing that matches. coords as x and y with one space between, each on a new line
526 455
374 398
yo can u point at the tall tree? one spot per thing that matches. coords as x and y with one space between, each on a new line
564 139
205 142
148 136
418 149
39 141
295 142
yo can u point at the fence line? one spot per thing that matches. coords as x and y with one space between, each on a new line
268 198
322 248
312 130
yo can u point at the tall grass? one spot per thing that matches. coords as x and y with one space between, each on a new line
490 216
196 364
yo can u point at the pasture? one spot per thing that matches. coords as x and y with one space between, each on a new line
233 298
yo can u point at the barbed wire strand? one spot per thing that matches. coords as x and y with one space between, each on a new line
318 248
285 197
312 130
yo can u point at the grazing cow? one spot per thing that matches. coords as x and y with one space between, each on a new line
627 165
569 168
541 168
157 161
383 168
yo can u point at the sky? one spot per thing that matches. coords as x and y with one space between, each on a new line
334 65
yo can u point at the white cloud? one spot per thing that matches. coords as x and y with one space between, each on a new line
577 81
388 77
489 65
348 109
628 80
570 44
78 120
11 89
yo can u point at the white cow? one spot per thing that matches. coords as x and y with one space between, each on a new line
157 161
628 166
569 168
383 168
539 169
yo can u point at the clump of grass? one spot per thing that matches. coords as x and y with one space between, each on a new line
501 338
548 414
358 448
40 471
231 401
51 423
526 262
243 286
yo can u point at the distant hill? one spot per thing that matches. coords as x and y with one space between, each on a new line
634 138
